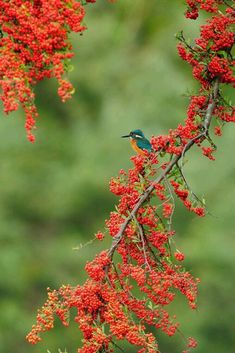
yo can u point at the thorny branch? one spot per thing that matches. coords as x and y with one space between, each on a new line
203 135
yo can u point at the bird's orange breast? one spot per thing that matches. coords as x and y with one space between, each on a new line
136 148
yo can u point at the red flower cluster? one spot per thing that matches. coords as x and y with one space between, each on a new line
145 277
34 45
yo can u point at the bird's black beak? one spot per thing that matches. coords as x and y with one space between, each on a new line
126 136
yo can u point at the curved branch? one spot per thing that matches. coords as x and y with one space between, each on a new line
144 196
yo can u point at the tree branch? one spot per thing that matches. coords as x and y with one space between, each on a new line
206 125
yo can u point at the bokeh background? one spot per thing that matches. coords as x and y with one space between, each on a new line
54 194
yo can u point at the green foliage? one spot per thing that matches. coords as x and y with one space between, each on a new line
54 194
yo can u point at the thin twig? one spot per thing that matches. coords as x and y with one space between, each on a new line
226 3
141 232
182 39
173 201
187 185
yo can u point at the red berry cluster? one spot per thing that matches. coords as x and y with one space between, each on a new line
141 284
211 57
34 45
126 295
207 5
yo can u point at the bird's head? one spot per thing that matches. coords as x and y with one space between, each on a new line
135 134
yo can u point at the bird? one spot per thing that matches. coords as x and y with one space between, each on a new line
139 142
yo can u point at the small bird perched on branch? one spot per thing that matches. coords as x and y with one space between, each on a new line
139 142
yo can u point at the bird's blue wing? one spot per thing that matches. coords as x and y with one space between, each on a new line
144 144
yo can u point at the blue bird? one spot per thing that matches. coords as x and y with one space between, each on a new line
139 142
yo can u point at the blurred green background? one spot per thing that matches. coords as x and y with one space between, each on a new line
54 194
